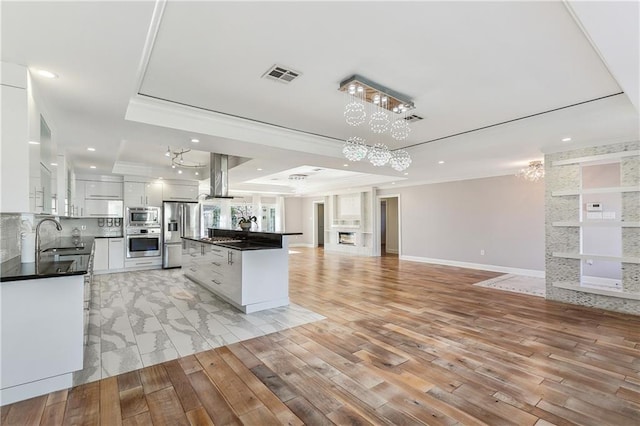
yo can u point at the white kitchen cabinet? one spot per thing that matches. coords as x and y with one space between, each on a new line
103 190
109 254
77 202
101 255
141 263
42 336
143 194
251 280
179 192
14 167
116 253
103 208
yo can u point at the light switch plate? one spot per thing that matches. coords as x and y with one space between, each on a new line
609 215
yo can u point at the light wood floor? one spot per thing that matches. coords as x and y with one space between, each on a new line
404 343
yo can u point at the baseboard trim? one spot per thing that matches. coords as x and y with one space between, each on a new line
494 268
391 251
306 245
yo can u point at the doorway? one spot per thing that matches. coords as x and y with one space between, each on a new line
389 235
319 224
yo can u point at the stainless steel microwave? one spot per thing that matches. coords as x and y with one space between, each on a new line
143 216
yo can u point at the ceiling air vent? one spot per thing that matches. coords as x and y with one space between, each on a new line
411 118
281 74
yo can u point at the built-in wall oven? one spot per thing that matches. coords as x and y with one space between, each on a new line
143 216
144 242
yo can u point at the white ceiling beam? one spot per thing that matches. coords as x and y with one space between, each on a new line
613 28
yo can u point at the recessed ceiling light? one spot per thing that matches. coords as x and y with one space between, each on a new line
393 183
91 149
194 140
34 143
197 173
406 173
566 139
92 167
346 165
179 172
54 164
259 169
46 74
441 162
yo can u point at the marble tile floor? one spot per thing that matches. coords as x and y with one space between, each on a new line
142 318
517 284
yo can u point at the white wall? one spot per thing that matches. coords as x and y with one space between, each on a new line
602 240
392 225
299 218
454 221
293 219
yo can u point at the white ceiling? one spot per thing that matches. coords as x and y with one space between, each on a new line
466 65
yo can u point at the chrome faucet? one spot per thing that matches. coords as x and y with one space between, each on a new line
58 227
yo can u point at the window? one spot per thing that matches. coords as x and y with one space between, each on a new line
210 216
238 211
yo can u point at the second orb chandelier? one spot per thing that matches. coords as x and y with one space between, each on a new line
385 112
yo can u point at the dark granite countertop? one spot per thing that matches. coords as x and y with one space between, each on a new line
56 260
238 245
215 230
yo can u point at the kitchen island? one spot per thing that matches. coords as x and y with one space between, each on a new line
250 270
43 319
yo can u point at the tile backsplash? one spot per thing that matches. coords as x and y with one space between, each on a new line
102 227
9 236
10 228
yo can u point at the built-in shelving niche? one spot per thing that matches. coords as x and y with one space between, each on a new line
601 230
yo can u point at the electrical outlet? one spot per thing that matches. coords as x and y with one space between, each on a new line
482 252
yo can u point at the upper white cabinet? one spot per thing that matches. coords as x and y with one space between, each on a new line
103 190
98 199
103 208
143 194
179 192
77 200
14 169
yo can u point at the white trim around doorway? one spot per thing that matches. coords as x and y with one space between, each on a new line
378 222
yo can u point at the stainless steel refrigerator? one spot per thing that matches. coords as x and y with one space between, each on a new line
179 220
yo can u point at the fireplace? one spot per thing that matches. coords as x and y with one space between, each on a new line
347 238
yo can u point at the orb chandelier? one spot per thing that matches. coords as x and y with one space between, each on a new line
369 102
533 173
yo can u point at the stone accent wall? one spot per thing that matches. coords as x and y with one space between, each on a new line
567 239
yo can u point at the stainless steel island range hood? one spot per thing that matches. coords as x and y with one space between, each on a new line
219 165
218 176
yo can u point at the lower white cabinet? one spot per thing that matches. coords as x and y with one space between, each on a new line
116 253
251 280
140 263
109 254
41 343
101 255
